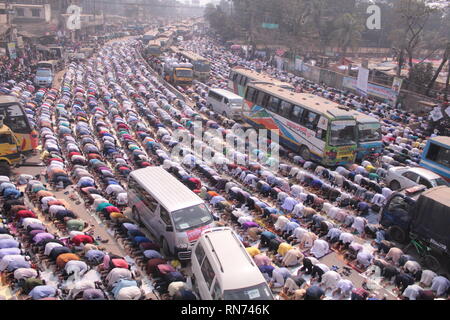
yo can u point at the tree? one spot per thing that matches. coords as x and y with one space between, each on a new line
445 58
347 33
421 73
412 18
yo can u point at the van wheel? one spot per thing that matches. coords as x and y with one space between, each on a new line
165 248
5 169
135 215
305 153
394 185
431 262
397 234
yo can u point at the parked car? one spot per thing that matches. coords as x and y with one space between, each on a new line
406 177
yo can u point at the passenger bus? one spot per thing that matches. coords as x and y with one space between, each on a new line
368 135
149 36
201 65
154 48
436 156
240 77
316 128
15 118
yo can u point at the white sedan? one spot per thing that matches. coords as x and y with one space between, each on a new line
405 177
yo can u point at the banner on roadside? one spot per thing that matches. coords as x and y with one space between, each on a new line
382 92
397 84
363 80
12 50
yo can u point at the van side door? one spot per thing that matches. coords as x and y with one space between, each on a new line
166 227
208 277
145 204
216 290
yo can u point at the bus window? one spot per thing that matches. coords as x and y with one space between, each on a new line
250 94
260 97
15 118
439 154
285 109
273 104
242 80
297 113
6 138
208 272
310 119
321 134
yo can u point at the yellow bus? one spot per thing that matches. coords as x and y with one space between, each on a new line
201 65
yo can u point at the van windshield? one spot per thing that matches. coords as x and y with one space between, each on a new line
192 217
258 292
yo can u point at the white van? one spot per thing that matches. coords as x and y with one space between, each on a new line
172 213
223 270
225 103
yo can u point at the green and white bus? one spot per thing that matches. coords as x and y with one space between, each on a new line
316 128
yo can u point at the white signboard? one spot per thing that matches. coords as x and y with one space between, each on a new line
447 111
436 114
74 20
363 79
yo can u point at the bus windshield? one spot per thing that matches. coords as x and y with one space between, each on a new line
258 292
15 118
192 217
368 132
342 133
184 73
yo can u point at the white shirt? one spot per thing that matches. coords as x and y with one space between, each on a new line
174 287
412 291
320 248
298 232
427 277
129 293
330 279
50 246
24 273
122 198
378 199
412 266
345 285
281 222
75 266
114 188
346 237
27 221
55 208
298 209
